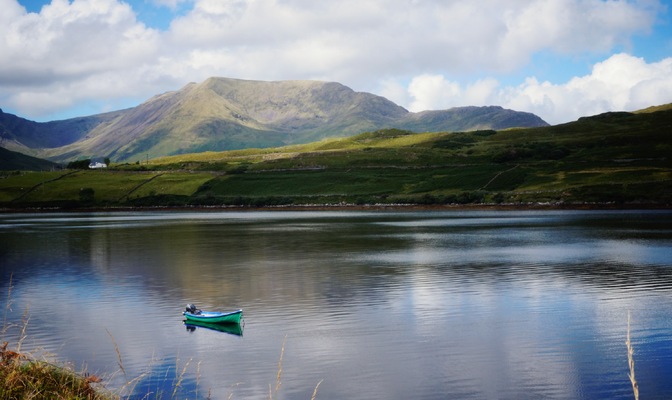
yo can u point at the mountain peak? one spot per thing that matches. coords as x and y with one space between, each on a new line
226 114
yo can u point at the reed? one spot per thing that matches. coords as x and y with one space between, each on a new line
7 308
631 363
230 391
27 376
198 376
120 364
315 391
278 383
179 378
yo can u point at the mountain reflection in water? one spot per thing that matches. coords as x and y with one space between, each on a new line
233 329
431 304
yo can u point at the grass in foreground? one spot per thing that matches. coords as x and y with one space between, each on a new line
24 377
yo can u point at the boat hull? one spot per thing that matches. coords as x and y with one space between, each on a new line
215 318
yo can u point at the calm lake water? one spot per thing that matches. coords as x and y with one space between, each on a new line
385 304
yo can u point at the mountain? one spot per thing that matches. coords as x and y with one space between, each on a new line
227 114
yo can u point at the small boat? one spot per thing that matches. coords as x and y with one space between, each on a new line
193 314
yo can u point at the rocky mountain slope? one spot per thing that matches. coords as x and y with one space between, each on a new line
227 114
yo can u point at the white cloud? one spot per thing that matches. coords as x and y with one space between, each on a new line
622 82
431 92
355 39
71 53
74 52
571 26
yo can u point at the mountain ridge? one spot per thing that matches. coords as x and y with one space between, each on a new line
227 114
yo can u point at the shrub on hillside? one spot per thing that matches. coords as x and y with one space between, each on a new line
539 151
454 141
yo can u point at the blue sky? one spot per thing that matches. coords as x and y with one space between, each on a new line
560 59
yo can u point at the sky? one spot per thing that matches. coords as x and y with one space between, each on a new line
559 59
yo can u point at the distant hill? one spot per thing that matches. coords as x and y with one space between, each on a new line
468 119
12 161
228 114
23 134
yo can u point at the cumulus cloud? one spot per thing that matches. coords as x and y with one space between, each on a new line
430 91
70 52
72 40
74 52
622 82
354 40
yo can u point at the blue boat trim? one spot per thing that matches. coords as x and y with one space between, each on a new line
205 315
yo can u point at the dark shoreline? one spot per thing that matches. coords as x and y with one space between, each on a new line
353 207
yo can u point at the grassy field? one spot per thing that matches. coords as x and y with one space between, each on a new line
13 186
613 157
356 182
184 184
107 186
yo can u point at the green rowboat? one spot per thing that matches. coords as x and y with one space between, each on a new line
214 317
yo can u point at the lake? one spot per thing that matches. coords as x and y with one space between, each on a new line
377 304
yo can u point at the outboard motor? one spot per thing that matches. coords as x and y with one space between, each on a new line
191 308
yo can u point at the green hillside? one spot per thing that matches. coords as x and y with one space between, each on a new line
227 114
613 159
12 160
655 108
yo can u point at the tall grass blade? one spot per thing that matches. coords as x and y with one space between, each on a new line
278 383
120 363
180 378
631 363
22 331
315 392
7 307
